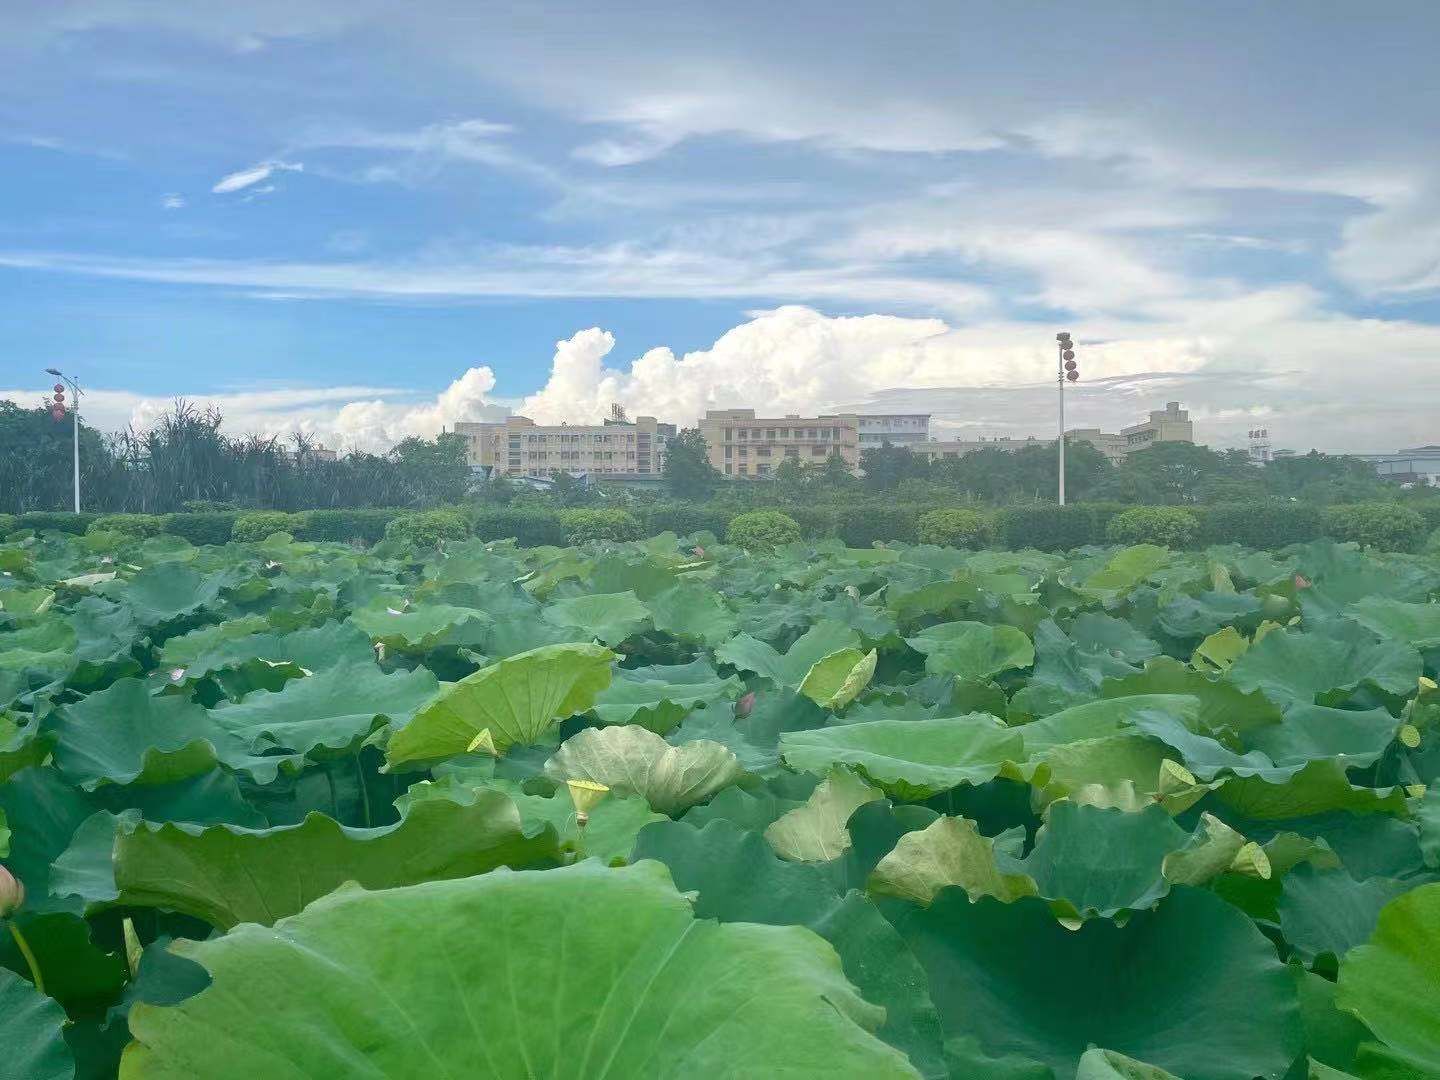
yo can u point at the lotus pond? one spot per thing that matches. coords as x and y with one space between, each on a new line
675 810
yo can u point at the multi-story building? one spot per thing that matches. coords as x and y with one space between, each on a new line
1417 465
1114 447
1170 424
950 449
897 429
741 444
616 449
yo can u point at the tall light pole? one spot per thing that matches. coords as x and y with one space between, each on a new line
1065 371
75 409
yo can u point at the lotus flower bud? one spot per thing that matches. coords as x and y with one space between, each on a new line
745 705
12 893
698 551
1301 581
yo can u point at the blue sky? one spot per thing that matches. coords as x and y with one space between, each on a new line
368 220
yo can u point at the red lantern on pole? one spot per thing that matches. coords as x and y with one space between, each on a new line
59 389
57 412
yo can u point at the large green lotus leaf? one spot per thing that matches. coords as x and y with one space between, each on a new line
19 747
1356 738
421 627
1223 705
609 618
1206 758
47 647
972 650
693 612
1328 911
1101 634
161 594
1209 851
753 739
228 875
42 811
31 1027
1192 986
1429 818
335 709
1111 716
1418 624
185 649
931 599
1332 1036
1065 674
78 973
125 735
584 972
836 680
910 759
1319 788
517 700
659 696
1291 667
1126 569
738 879
1100 861
1100 1064
788 670
312 649
815 832
949 851
631 759
609 835
1190 617
1392 982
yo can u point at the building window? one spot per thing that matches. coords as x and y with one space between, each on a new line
792 451
770 433
762 451
728 450
729 432
818 451
744 450
761 470
728 468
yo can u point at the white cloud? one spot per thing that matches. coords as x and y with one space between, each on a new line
239 181
172 201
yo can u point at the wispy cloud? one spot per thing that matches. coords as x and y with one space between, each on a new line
239 181
172 201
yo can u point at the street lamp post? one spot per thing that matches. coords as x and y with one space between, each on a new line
75 410
1065 371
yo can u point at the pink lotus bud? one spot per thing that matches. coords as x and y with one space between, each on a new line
698 551
176 674
744 706
1301 581
12 893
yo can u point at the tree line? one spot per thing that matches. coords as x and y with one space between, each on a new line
185 462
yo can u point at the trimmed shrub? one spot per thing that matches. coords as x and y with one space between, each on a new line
953 528
584 525
1264 523
347 526
208 527
258 524
816 522
528 528
684 518
141 525
1386 526
762 530
1168 526
209 506
864 525
1046 527
55 521
427 528
7 523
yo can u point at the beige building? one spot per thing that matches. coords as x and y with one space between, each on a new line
950 449
897 429
517 446
1170 424
741 444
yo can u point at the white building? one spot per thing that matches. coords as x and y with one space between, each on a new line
897 429
1417 465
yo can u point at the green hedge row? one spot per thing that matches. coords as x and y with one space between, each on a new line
1265 524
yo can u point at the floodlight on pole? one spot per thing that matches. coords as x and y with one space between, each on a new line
1066 370
57 411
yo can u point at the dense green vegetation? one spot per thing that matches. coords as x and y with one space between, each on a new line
901 811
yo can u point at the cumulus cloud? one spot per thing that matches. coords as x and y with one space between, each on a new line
244 178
